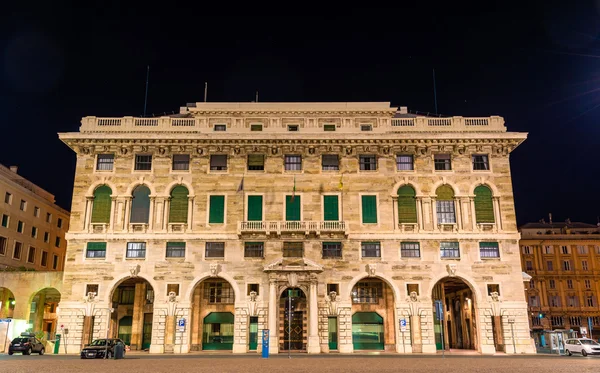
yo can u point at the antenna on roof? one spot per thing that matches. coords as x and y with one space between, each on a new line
146 97
205 90
434 92
256 96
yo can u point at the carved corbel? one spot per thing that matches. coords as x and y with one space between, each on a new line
134 270
371 269
215 268
451 268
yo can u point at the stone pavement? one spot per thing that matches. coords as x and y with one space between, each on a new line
301 363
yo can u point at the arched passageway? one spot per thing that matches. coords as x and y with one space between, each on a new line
133 312
43 312
373 315
212 321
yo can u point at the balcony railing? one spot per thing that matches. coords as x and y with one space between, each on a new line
427 124
277 227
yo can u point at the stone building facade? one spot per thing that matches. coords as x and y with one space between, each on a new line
563 259
335 226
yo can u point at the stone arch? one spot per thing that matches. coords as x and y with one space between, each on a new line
7 296
384 278
283 288
469 281
454 186
137 183
114 284
98 183
402 183
486 183
173 184
203 276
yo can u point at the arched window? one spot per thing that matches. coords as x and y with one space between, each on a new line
102 204
407 205
445 205
178 211
140 205
484 206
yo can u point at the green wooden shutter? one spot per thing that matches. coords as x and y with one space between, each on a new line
330 208
444 193
96 246
255 206
217 210
407 205
292 208
369 209
102 204
484 206
178 211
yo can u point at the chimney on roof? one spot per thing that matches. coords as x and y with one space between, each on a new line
14 168
550 217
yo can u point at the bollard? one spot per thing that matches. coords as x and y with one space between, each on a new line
56 344
119 350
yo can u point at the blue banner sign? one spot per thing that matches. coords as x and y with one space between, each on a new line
265 343
439 310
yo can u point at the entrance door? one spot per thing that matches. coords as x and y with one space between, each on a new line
367 331
125 329
218 331
293 305
253 335
147 331
332 333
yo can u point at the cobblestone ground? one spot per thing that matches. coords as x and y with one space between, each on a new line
349 364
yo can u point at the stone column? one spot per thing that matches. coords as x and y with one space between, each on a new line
395 212
273 340
126 216
87 330
434 214
151 214
113 207
420 212
137 324
88 213
166 214
169 334
190 215
39 312
458 213
313 318
473 215
497 215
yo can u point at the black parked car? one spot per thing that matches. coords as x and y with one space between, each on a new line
26 344
98 347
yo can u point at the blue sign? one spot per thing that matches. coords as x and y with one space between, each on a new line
265 343
402 325
5 320
439 310
181 323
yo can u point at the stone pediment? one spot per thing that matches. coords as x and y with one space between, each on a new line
293 265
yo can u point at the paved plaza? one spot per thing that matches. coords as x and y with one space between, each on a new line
301 363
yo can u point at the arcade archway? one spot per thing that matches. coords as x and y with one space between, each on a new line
133 312
373 315
43 315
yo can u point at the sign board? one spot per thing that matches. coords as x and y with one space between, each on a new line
583 330
181 324
403 325
5 320
439 310
265 343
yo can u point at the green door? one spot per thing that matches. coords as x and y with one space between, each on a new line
147 333
255 206
125 329
367 331
253 337
332 333
218 331
330 208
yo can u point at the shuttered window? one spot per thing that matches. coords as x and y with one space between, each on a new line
330 208
178 210
369 209
407 205
255 208
484 207
140 205
292 208
216 214
102 203
256 162
445 205
96 250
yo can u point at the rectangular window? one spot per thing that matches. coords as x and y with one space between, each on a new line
91 288
127 295
256 162
96 250
252 288
254 249
54 261
215 250
445 212
8 198
46 237
489 250
366 127
173 288
552 283
329 127
493 288
44 261
331 208
181 162
293 162
293 250
332 250
31 255
23 205
549 265
218 162
528 265
590 300
367 292
449 250
570 284
3 245
293 128
548 250
20 226
370 249
36 211
105 162
369 209
367 162
255 208
534 301
57 242
410 288
216 214
17 250
584 265
526 250
410 250
404 162
34 232
48 217
480 162
292 208
175 250
330 162
442 162
59 223
218 292
565 250
566 265
220 127
256 127
333 287
572 301
531 284
143 162
556 320
136 250
5 220
554 300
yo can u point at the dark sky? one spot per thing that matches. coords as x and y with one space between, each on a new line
534 65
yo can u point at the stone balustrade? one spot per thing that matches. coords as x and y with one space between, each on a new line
277 227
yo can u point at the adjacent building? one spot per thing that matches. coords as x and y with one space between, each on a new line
563 259
333 226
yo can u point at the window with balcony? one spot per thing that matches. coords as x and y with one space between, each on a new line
330 162
181 162
331 208
255 208
254 249
442 162
293 162
370 249
410 250
480 162
143 162
489 250
449 250
332 250
216 213
136 250
293 208
214 250
175 250
256 162
369 209
367 162
96 250
293 250
218 162
105 162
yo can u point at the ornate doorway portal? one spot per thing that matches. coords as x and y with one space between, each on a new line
293 320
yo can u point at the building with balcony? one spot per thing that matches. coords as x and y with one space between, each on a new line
563 259
327 224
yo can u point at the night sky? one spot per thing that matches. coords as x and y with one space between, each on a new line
535 65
